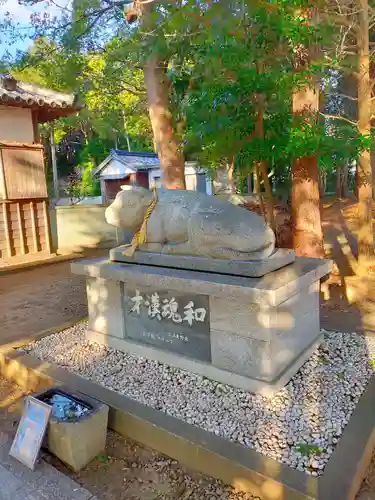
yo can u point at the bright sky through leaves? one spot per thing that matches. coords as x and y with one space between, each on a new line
21 14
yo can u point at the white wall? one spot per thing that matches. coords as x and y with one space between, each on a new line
16 125
87 200
191 182
115 170
155 178
76 227
191 172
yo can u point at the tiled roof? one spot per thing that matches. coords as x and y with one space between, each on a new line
137 160
134 160
16 92
124 152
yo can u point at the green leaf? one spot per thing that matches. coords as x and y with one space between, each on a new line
308 449
323 360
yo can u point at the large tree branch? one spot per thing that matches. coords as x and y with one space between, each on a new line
123 88
337 117
127 88
339 20
344 96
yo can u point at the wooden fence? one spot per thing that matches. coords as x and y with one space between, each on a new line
24 228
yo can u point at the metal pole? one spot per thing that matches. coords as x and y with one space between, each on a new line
54 165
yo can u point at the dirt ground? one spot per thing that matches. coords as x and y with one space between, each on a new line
36 299
348 303
367 491
125 471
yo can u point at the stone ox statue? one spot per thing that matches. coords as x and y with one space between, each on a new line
191 223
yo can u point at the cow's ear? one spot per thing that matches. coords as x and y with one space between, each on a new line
135 189
138 194
138 191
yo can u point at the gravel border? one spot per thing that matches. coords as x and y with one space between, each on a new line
299 426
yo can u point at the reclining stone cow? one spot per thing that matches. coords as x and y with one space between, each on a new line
192 223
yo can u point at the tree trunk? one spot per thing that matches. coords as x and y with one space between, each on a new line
230 176
261 201
364 173
165 143
307 228
356 183
249 184
224 180
157 85
345 181
126 130
373 173
322 178
306 220
262 168
339 182
256 180
342 187
269 198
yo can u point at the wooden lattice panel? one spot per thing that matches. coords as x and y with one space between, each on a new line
23 173
24 228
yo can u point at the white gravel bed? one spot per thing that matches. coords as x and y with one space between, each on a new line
299 426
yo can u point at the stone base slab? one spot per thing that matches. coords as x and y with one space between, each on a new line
249 268
213 455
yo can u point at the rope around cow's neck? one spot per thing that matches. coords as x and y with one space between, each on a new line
140 236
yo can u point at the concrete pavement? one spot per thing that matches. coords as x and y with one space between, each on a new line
17 482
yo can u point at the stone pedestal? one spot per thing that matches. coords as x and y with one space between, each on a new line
252 333
245 268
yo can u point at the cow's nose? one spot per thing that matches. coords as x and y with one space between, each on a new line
110 216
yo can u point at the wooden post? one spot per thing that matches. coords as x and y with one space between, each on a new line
33 222
7 229
3 187
54 165
34 116
47 229
20 227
